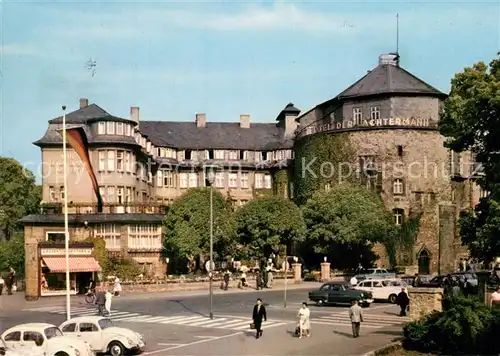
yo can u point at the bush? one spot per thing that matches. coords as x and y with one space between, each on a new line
311 277
125 269
465 326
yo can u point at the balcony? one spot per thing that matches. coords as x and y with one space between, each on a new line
115 208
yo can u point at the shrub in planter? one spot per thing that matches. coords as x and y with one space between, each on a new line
311 277
417 335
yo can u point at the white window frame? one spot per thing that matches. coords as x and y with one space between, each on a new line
398 186
258 156
110 127
375 112
128 195
127 161
102 191
52 193
101 128
219 154
110 194
357 115
244 180
120 167
47 233
110 233
119 128
398 216
219 180
192 180
233 155
144 237
120 193
127 128
102 160
183 180
259 180
168 179
268 182
233 180
111 161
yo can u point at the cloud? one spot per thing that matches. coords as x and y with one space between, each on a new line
19 49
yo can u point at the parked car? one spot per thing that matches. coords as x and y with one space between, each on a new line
339 293
435 282
41 339
371 273
5 351
384 290
103 335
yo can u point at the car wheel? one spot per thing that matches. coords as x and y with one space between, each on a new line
116 348
392 298
60 353
320 303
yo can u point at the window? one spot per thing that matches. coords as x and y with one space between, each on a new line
233 180
111 128
483 193
397 186
119 194
244 155
61 192
327 187
259 180
219 179
69 328
398 216
232 155
375 112
127 161
119 161
15 336
168 179
400 151
159 179
57 237
324 287
244 180
219 154
102 160
111 194
102 191
110 233
88 328
34 336
51 332
193 180
111 161
52 193
101 128
183 180
144 236
357 115
267 181
258 156
119 128
127 130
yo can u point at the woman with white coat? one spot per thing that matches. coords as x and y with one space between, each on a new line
304 321
107 303
117 287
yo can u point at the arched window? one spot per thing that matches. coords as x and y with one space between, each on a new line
397 186
423 262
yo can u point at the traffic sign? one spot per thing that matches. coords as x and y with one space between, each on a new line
207 266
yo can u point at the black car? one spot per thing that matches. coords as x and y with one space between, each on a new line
340 293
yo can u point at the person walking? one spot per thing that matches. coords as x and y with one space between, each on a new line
403 301
107 303
495 298
269 276
100 300
304 321
117 287
226 279
243 279
259 313
356 316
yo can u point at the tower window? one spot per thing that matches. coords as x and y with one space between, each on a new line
397 186
398 216
400 150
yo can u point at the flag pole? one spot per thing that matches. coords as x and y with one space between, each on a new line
66 229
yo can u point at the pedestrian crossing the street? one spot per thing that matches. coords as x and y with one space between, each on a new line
372 321
226 322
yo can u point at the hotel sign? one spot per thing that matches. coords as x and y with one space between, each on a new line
395 122
60 252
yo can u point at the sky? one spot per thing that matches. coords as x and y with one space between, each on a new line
222 58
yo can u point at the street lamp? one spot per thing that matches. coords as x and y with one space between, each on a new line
210 176
66 228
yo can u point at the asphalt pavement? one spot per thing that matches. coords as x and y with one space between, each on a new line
179 324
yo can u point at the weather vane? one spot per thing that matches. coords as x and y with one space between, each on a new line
91 65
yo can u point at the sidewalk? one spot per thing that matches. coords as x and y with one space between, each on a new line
16 302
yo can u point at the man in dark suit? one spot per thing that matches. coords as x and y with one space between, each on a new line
259 313
100 300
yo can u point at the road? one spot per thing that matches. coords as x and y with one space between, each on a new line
179 324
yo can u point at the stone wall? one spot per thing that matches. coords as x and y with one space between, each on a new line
424 301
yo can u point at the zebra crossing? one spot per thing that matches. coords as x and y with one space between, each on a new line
371 321
226 322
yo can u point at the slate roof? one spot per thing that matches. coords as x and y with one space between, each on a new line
91 112
389 79
215 135
58 219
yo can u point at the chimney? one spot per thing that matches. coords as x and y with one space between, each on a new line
390 58
84 102
200 120
134 113
245 121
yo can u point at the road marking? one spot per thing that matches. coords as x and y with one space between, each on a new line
168 344
205 322
205 337
192 343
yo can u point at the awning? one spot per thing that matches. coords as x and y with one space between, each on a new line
76 264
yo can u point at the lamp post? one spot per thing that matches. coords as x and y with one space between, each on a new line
286 280
66 228
210 176
167 260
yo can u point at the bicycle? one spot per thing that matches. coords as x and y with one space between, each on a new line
90 297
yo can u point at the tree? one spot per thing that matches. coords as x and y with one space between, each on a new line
12 254
471 122
264 225
19 195
344 222
187 225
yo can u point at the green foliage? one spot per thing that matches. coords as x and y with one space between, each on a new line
462 328
315 156
399 242
19 195
470 122
12 254
123 268
100 253
263 225
280 183
187 225
311 277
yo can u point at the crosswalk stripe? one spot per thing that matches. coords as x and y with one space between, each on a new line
206 322
120 317
381 321
180 319
347 325
198 319
234 323
171 318
153 319
136 319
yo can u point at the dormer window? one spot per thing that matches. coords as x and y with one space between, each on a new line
110 128
127 130
375 112
357 115
119 128
101 128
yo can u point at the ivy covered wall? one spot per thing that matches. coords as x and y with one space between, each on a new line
281 181
321 159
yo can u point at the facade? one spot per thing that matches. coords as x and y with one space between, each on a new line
390 117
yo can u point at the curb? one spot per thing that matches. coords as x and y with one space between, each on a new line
384 350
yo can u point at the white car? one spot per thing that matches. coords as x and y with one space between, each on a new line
41 339
103 336
5 351
386 290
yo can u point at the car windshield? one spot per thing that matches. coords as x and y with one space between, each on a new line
52 332
105 323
